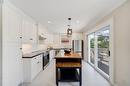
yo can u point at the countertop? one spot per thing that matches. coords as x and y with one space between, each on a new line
36 53
33 54
71 55
60 48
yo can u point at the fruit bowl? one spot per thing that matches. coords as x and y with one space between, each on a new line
67 51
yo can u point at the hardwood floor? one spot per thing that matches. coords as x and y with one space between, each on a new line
90 77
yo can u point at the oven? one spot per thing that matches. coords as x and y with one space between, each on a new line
45 59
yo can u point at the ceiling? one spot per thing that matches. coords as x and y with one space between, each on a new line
82 12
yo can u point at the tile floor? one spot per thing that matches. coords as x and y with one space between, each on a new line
90 77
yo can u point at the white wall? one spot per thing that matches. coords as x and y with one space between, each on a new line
0 43
121 43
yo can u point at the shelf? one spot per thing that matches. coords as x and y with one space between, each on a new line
68 64
68 75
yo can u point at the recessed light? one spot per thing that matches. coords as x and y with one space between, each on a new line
77 21
49 22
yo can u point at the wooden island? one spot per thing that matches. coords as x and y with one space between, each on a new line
68 67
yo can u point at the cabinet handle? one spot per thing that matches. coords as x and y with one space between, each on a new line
31 39
20 37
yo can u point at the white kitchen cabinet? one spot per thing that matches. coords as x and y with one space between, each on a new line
47 36
57 39
77 36
29 31
31 67
51 40
11 46
52 54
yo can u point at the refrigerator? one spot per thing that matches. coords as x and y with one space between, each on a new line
77 46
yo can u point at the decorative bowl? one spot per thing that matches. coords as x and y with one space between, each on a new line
67 51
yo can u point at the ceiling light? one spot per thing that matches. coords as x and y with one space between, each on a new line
77 22
69 30
49 22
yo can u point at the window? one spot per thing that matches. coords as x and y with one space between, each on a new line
91 45
102 42
98 50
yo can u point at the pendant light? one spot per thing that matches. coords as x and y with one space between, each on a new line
69 30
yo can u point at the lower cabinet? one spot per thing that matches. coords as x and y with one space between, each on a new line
31 67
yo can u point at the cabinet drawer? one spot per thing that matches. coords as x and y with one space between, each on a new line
36 65
39 63
31 67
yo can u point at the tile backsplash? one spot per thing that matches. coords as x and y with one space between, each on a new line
28 48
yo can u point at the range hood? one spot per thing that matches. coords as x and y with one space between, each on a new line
41 37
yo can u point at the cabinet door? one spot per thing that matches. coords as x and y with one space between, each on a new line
12 55
39 63
56 39
52 54
77 36
34 33
29 31
25 31
50 38
34 67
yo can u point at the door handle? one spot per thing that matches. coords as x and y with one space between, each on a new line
109 52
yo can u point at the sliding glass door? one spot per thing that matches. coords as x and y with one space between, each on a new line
103 52
91 45
98 50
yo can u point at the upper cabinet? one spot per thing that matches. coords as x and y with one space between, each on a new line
44 36
29 31
56 38
49 38
77 36
11 24
11 46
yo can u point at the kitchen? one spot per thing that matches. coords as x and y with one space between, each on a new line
35 45
46 52
43 45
